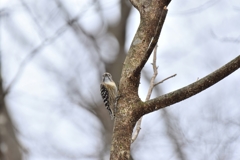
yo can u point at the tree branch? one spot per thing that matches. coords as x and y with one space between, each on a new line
190 90
151 86
164 79
153 14
130 108
153 42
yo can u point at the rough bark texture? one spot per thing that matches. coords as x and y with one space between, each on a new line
130 108
152 17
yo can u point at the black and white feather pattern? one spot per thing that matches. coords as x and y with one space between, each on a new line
105 96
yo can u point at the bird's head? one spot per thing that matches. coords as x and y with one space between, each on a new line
106 77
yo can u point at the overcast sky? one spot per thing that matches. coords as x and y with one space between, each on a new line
198 37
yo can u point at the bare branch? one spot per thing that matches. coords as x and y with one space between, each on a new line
153 14
138 128
190 90
135 3
155 72
153 41
152 85
32 54
164 79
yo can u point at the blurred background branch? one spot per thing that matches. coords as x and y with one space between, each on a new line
53 54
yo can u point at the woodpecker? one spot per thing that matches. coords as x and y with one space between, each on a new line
109 93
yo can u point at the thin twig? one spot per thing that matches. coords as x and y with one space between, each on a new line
164 79
152 85
191 89
155 72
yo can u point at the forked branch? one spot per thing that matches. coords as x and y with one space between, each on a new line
192 89
151 86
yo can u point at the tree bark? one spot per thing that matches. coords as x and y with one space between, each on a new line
130 108
152 15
